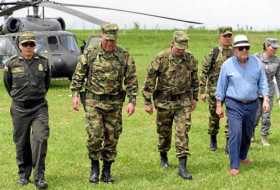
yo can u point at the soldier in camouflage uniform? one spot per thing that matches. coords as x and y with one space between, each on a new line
172 82
208 80
106 68
271 65
27 79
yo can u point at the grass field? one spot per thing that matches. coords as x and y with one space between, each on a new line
137 164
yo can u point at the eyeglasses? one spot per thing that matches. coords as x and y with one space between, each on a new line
30 44
244 47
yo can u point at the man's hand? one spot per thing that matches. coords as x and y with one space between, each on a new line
130 109
75 103
219 109
193 105
149 109
265 105
203 97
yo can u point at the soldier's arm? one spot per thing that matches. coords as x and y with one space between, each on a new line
205 73
130 80
79 74
150 81
277 76
48 76
8 79
194 78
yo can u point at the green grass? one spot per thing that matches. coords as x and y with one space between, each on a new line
137 164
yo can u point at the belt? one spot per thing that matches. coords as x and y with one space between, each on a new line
29 103
104 97
243 101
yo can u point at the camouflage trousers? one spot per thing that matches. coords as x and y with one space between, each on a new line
103 128
265 117
182 119
214 120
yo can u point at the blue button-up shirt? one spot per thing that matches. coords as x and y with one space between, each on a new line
242 82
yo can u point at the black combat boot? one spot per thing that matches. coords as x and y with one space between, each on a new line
94 175
183 172
226 146
213 142
164 160
40 182
106 172
23 180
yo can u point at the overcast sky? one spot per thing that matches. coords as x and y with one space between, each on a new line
260 14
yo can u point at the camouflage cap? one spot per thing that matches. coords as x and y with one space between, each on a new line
110 31
273 42
225 30
180 39
26 37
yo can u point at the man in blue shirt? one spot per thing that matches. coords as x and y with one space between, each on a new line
240 81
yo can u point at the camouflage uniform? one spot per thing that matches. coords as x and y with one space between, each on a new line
208 80
272 69
105 75
27 82
172 83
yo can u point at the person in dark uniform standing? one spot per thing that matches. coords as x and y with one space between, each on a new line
27 79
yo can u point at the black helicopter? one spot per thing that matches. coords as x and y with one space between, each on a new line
58 45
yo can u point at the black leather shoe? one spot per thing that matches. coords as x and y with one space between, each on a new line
164 160
106 172
213 143
23 181
41 184
94 175
183 172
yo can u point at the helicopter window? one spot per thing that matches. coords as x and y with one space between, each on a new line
40 45
7 49
53 43
69 42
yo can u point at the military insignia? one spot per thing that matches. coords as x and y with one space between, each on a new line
40 67
18 70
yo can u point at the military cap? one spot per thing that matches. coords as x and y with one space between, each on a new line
26 37
180 39
110 31
225 30
273 42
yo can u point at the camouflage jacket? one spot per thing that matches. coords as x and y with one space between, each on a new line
210 72
171 81
27 79
105 73
272 69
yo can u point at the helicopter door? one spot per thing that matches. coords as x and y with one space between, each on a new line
53 43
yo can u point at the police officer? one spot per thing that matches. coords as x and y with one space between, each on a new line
106 68
208 80
172 82
27 79
271 65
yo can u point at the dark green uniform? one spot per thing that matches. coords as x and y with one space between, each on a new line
27 82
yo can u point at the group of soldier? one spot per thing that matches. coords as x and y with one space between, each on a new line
108 74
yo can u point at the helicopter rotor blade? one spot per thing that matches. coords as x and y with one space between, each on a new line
17 6
74 12
122 10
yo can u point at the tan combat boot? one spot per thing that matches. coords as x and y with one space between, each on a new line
264 140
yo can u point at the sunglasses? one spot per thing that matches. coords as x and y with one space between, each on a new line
244 47
30 44
227 36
